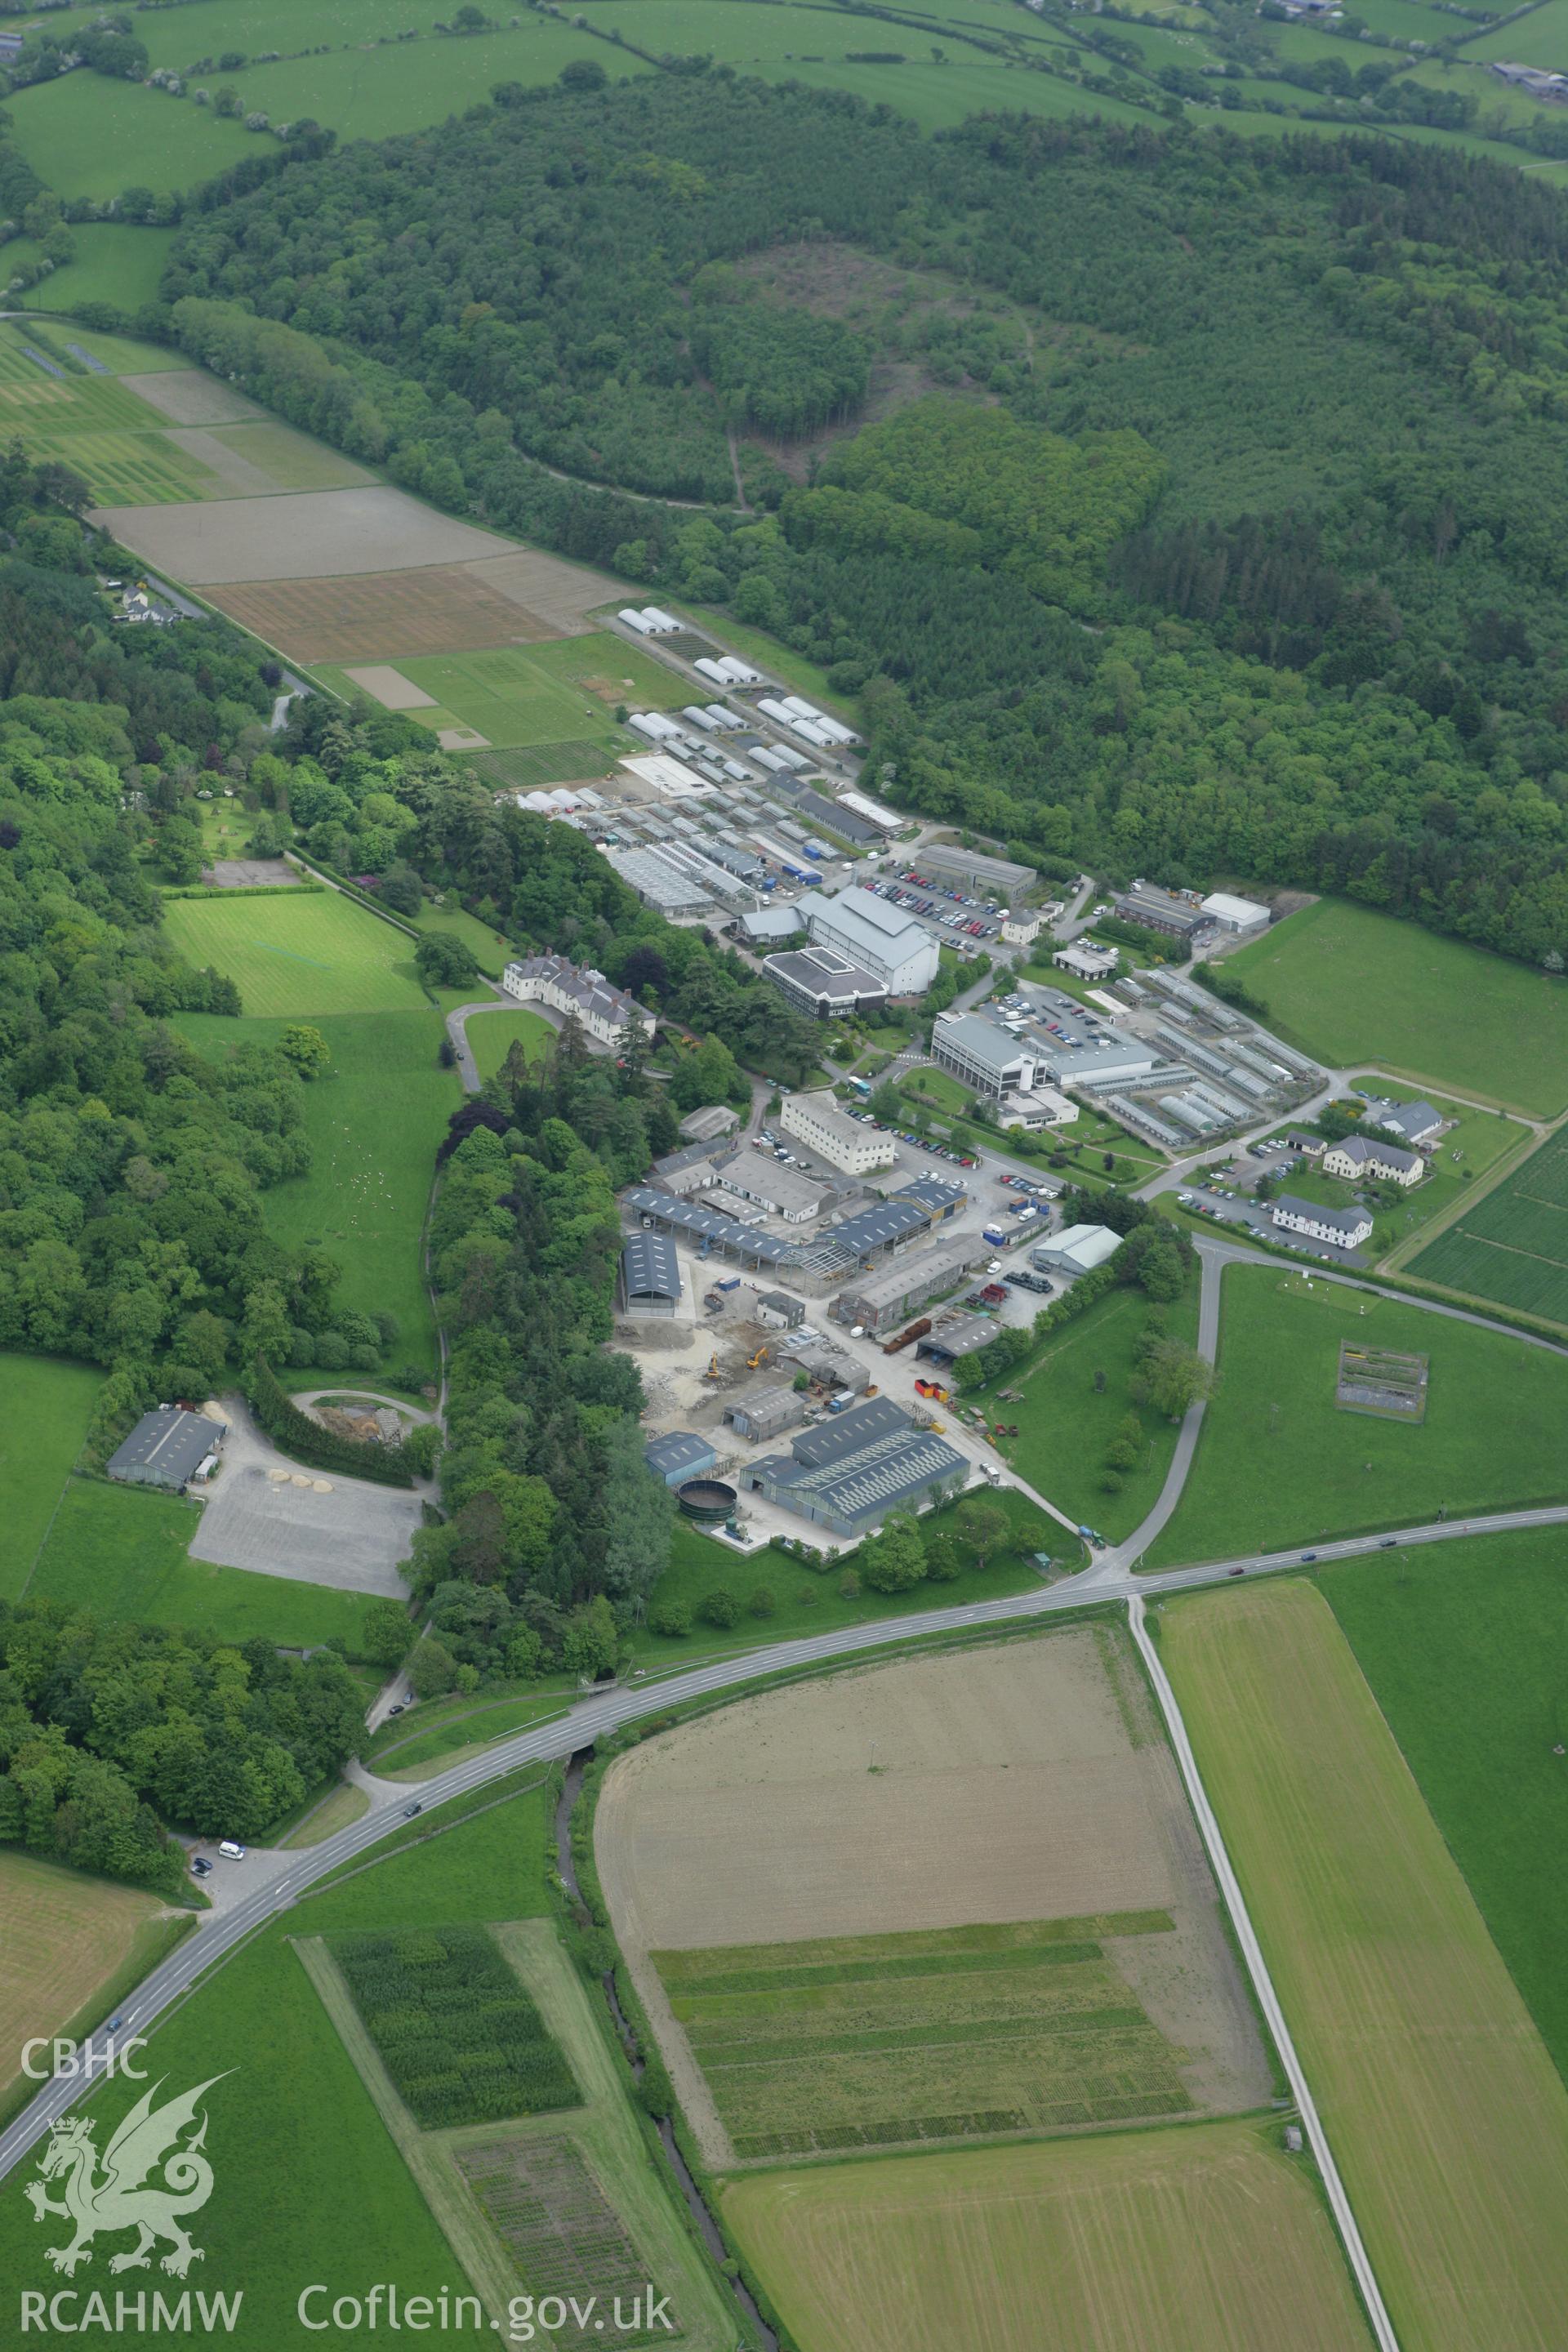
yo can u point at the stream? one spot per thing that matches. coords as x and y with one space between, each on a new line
697 2204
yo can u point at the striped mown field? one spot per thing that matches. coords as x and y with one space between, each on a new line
1447 2119
300 953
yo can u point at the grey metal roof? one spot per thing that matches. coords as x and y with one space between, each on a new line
872 1229
681 1450
650 1267
960 1339
165 1446
925 1270
1339 1221
830 1440
880 1459
932 1192
708 1225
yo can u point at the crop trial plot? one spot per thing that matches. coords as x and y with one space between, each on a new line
1512 1247
453 2026
555 2221
1382 1380
894 1905
959 2033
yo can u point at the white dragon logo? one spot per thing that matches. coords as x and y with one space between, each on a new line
142 2141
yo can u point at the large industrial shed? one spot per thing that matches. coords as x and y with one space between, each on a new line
680 1456
708 1231
847 1473
650 1276
166 1449
767 1413
882 1300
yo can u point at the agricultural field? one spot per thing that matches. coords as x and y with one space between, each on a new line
121 1551
1076 1397
1277 1463
1464 1658
88 134
1513 1245
73 1944
1207 2238
115 262
310 2185
300 953
999 1833
1447 2119
460 2039
550 694
373 1119
1351 985
864 2041
45 1408
95 424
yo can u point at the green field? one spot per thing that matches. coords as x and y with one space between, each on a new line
370 93
45 1408
941 2033
1277 1463
1066 1424
491 1037
1353 986
1447 2119
373 1121
299 954
87 134
1464 1657
294 461
1513 1245
529 768
1538 39
547 694
120 1551
1205 2239
115 262
309 2186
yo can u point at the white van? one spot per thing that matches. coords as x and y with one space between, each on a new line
230 1851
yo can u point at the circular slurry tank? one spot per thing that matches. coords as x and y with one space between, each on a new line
708 1499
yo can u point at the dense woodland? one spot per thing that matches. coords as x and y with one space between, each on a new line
106 1729
1247 557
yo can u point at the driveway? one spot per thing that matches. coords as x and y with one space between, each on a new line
266 1513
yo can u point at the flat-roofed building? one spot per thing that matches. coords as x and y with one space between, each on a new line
1086 961
852 1144
1159 910
786 1193
981 1054
824 983
987 876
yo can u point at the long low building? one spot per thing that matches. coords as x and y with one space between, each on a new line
167 1449
1344 1229
759 1177
992 877
708 1231
983 1054
880 1301
1078 1250
650 1276
849 1473
576 991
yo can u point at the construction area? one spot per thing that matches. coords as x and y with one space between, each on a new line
1382 1382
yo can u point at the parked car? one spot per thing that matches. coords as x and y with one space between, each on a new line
201 1867
230 1851
392 1711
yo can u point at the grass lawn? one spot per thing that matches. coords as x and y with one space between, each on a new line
490 951
1066 1424
309 2186
1447 2117
120 1551
45 1408
89 135
1511 1245
74 1944
1464 1657
374 1124
428 1740
1204 2239
1278 1463
518 696
115 262
1351 985
299 954
491 1035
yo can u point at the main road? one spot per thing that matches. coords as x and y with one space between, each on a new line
1110 1579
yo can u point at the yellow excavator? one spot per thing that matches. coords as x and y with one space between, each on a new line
761 1357
712 1372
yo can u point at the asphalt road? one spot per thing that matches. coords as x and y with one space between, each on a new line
1107 1579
